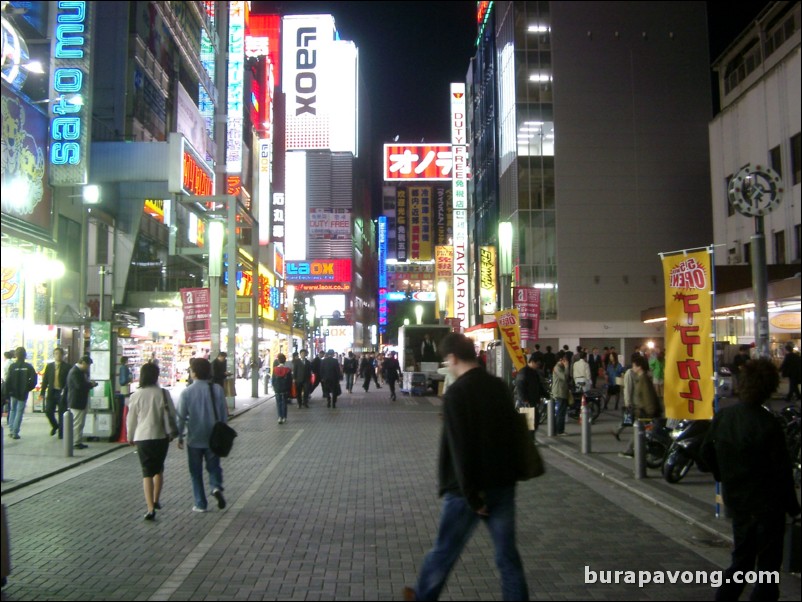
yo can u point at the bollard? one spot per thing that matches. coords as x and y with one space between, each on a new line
67 420
585 420
551 421
640 449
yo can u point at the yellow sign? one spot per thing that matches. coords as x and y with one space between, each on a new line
509 324
786 321
487 279
689 384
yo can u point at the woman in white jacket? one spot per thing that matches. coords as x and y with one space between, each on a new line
150 408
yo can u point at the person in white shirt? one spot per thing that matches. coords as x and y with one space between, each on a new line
148 408
581 372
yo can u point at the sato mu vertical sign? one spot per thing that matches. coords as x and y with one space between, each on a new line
689 384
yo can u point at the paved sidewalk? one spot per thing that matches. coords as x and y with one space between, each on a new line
37 455
334 505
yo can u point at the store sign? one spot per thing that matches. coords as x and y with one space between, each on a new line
487 279
459 183
265 177
461 281
417 162
70 69
689 384
442 200
509 324
527 301
459 133
383 251
319 270
396 296
324 224
443 262
323 287
420 223
188 172
207 58
277 220
401 225
197 314
155 209
278 262
236 86
460 180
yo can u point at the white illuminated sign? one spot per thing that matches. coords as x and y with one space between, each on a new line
295 210
265 152
462 304
236 86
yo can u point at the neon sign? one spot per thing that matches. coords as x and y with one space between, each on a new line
70 77
319 270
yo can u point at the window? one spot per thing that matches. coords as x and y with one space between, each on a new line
69 247
779 247
796 159
730 208
775 157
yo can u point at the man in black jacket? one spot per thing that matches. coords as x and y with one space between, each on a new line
22 379
302 376
330 378
349 369
476 474
745 448
391 370
78 388
54 382
792 370
316 362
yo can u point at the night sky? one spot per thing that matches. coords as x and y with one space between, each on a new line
409 52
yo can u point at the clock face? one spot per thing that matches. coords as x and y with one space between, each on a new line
755 191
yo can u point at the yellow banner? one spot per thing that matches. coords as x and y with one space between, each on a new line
689 384
487 279
509 324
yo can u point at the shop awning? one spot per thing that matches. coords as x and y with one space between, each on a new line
486 325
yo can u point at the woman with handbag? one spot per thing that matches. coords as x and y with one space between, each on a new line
644 401
151 426
615 378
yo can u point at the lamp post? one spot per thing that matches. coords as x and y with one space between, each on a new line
310 318
442 298
505 270
216 239
325 331
419 313
290 292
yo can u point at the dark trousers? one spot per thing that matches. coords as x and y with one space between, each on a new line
391 384
331 390
302 392
368 377
52 406
793 389
349 381
758 545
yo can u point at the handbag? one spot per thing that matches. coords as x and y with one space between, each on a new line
222 438
619 381
529 463
170 425
628 416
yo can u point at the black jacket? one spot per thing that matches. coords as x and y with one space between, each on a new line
330 370
316 367
477 449
49 379
791 366
349 365
366 367
22 379
745 448
219 370
391 369
78 387
529 386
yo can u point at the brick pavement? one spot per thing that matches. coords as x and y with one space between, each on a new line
336 504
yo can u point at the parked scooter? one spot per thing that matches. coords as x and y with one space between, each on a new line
684 451
658 442
593 399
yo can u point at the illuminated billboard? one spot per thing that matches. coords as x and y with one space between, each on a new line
236 86
320 75
294 211
189 173
417 162
319 271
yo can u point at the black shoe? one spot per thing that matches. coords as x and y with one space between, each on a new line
81 446
157 506
221 501
151 515
53 431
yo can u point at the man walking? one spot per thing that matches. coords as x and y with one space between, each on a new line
282 385
201 405
792 370
367 371
78 388
330 379
316 362
476 474
595 362
391 370
22 379
302 375
529 385
349 369
53 383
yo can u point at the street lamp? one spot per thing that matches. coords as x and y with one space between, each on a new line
419 313
325 331
216 238
505 269
310 317
290 292
442 298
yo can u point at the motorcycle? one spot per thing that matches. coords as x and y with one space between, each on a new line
658 442
593 398
684 450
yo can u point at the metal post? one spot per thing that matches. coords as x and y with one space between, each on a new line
2 454
67 420
757 249
640 450
506 303
585 425
256 319
231 292
102 273
551 421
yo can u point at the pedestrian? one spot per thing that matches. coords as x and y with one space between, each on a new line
428 349
124 378
282 384
790 369
220 369
615 375
330 376
349 369
657 368
549 360
21 380
201 405
628 391
746 451
529 385
366 370
8 359
391 370
483 358
644 401
559 390
376 369
595 364
318 359
78 388
737 363
476 474
537 354
302 376
54 382
581 373
149 409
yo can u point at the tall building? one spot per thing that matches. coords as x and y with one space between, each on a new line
759 124
587 126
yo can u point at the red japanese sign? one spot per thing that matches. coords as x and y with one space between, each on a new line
417 162
527 301
197 314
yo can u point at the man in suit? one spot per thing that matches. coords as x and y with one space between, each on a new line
302 375
52 391
391 370
330 375
78 388
595 362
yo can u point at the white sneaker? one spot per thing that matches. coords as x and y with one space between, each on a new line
196 509
280 421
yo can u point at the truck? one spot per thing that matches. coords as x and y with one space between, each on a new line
419 371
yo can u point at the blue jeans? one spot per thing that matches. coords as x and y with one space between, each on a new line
559 414
281 404
349 382
195 457
16 408
457 523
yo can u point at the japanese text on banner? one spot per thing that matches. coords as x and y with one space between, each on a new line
689 384
509 324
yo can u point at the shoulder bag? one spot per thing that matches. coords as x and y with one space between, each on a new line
529 463
222 438
170 424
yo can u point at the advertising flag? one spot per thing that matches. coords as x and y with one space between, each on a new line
197 303
509 324
527 301
689 384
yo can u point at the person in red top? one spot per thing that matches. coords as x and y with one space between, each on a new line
282 384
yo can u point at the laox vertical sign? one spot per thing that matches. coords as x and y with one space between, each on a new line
460 199
70 93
